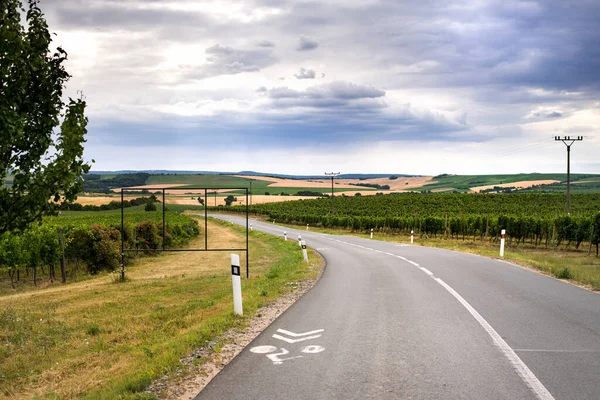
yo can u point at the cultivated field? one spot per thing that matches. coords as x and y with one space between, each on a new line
267 189
518 185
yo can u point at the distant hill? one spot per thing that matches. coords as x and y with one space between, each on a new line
248 173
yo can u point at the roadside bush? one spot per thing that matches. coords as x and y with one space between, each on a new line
148 236
105 249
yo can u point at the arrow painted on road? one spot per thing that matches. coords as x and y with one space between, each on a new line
301 336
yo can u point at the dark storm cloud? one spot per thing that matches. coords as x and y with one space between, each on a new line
306 44
305 74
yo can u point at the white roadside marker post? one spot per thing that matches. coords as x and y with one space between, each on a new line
502 243
304 252
412 235
306 226
237 284
299 240
371 233
273 222
251 227
284 236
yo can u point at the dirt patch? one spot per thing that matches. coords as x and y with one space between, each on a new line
519 185
187 381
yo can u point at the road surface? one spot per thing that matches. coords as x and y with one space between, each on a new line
390 321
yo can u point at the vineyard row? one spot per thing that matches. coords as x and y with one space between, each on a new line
95 245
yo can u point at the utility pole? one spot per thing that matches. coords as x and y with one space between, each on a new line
332 175
568 141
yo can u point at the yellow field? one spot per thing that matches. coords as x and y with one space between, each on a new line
519 185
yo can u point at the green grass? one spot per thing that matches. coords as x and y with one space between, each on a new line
101 340
212 181
582 186
113 217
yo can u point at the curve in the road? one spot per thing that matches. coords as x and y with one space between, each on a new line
386 330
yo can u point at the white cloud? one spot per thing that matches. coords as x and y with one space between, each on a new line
440 72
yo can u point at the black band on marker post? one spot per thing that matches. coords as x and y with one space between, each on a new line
235 270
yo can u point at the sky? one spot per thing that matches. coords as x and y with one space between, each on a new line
353 86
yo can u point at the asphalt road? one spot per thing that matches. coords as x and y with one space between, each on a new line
389 321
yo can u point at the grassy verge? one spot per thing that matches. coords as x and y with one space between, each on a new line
104 340
569 264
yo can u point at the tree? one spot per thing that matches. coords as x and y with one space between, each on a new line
45 164
150 206
230 199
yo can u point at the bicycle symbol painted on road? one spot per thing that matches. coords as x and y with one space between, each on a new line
275 357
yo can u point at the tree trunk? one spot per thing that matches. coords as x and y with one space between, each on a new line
33 270
62 256
11 273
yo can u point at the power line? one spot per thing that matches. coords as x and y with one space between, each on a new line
332 175
568 141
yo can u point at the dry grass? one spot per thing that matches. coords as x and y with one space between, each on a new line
99 200
101 339
519 185
399 184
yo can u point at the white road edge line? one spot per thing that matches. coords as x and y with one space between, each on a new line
522 370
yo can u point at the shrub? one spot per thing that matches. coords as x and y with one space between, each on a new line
148 236
150 207
564 273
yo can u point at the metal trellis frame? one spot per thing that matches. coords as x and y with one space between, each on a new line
163 249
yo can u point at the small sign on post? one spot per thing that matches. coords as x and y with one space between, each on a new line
237 284
371 233
502 242
304 252
412 235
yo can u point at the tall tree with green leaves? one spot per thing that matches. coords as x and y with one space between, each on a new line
45 161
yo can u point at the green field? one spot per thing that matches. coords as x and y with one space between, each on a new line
464 182
582 183
259 187
580 186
